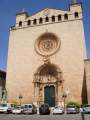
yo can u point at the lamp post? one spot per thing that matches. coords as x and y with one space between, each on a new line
64 99
65 94
20 98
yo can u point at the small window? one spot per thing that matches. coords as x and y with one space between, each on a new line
34 21
40 20
66 16
47 19
53 18
59 17
20 23
76 14
29 22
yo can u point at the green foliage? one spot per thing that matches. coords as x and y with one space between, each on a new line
73 104
15 103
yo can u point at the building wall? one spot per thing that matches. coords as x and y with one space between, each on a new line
23 60
87 72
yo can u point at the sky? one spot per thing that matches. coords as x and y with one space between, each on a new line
9 9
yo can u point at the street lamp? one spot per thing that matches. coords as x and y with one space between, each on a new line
64 99
20 98
65 94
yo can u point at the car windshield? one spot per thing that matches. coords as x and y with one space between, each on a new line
58 107
86 105
3 105
13 105
28 106
17 107
70 106
45 105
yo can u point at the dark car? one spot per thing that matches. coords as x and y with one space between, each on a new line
86 108
72 109
44 109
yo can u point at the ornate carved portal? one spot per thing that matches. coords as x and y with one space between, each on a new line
48 75
48 78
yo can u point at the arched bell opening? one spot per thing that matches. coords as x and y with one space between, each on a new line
48 75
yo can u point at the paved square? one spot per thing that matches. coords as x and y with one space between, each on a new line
43 117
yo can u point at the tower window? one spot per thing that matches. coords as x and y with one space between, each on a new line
76 14
59 17
20 23
46 19
53 18
34 21
40 20
29 22
66 16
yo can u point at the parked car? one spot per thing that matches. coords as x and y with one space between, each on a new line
58 110
9 110
6 108
17 110
29 109
44 109
86 108
72 109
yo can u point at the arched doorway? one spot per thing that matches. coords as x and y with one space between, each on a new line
47 82
49 95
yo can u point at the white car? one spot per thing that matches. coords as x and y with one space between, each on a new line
5 107
58 110
17 110
72 109
86 108
29 109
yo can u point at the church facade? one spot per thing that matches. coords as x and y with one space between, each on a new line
46 57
